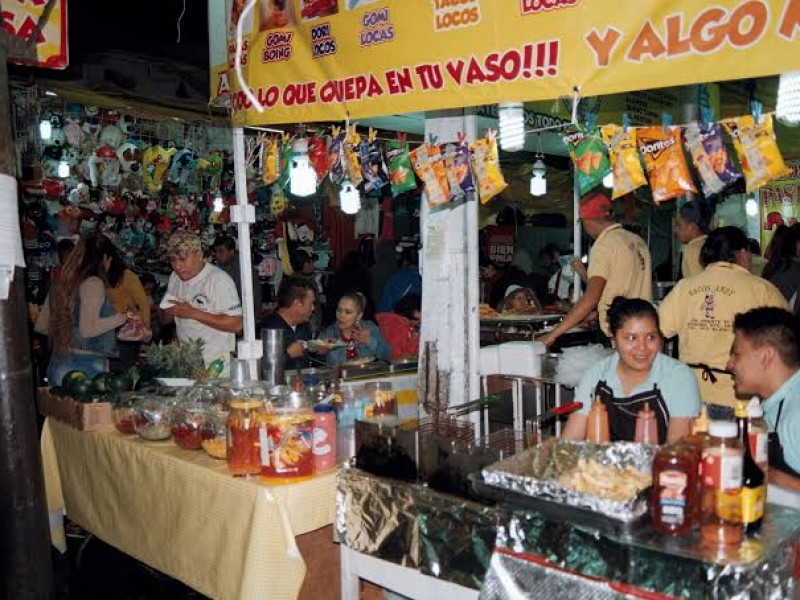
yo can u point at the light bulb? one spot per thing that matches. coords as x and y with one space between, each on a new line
608 180
512 126
303 177
538 179
219 204
751 207
45 130
349 198
787 108
63 169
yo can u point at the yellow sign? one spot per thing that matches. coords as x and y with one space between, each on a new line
318 60
52 48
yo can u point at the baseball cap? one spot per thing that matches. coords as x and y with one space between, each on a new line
595 206
182 243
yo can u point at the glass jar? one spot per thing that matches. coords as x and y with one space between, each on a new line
151 418
208 392
188 421
723 460
675 499
288 439
123 412
214 436
245 420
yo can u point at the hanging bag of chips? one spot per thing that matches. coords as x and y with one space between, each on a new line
352 159
710 157
270 160
373 166
456 164
428 164
336 155
667 170
588 153
757 150
286 160
485 164
318 155
401 174
624 157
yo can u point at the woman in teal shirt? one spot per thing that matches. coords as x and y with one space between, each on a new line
637 374
362 340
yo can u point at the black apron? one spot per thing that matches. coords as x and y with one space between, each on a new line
775 449
622 412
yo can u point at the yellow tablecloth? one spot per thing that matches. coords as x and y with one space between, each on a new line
182 513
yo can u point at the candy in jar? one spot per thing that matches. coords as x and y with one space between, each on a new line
245 420
286 444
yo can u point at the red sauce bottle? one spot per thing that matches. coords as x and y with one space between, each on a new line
675 498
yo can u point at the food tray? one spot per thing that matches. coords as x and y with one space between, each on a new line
534 474
536 318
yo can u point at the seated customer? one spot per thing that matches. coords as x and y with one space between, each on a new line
295 307
520 301
400 328
362 338
637 374
765 360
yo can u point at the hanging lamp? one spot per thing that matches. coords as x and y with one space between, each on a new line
787 108
349 198
302 178
511 117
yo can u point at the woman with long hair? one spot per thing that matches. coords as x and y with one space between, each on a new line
78 316
361 338
127 295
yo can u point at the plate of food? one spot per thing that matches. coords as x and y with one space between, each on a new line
325 344
358 362
175 381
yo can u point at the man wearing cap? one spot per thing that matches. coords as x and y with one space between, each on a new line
227 257
765 361
202 299
619 265
691 227
302 262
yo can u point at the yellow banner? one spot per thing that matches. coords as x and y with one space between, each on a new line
52 47
321 60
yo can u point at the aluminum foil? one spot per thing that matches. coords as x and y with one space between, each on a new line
535 473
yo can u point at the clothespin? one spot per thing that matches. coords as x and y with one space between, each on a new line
335 131
490 134
666 121
372 134
401 137
706 116
461 138
432 138
626 122
591 121
758 111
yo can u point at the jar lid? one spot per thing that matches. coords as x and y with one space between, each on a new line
723 429
323 408
754 408
246 404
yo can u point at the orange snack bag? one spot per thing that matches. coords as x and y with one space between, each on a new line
428 164
757 150
486 166
666 165
625 163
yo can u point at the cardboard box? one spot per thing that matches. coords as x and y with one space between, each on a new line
95 416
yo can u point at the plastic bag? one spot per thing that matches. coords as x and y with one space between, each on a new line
134 330
456 164
428 164
401 174
318 155
486 167
710 157
270 160
588 153
757 150
624 157
666 165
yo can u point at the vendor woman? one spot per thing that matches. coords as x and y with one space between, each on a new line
362 339
636 375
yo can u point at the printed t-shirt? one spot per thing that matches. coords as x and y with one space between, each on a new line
623 260
212 291
701 310
690 263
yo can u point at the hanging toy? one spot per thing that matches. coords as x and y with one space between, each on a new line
111 137
184 161
104 168
129 155
155 162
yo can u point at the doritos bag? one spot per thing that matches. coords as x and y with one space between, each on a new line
486 167
710 157
428 164
624 157
666 166
588 153
757 150
401 174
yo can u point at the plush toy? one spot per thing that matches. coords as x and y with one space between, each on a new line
74 133
79 194
127 125
72 156
111 136
130 157
181 167
155 162
104 168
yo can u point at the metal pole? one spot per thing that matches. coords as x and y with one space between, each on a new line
26 570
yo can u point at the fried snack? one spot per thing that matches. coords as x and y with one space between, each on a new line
215 447
710 157
486 311
428 164
612 483
757 150
625 164
485 162
666 165
588 153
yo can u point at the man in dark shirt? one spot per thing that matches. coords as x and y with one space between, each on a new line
296 297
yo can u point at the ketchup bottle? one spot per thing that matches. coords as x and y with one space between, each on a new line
646 428
675 498
597 423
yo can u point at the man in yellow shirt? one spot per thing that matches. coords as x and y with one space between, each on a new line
619 265
701 309
692 229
